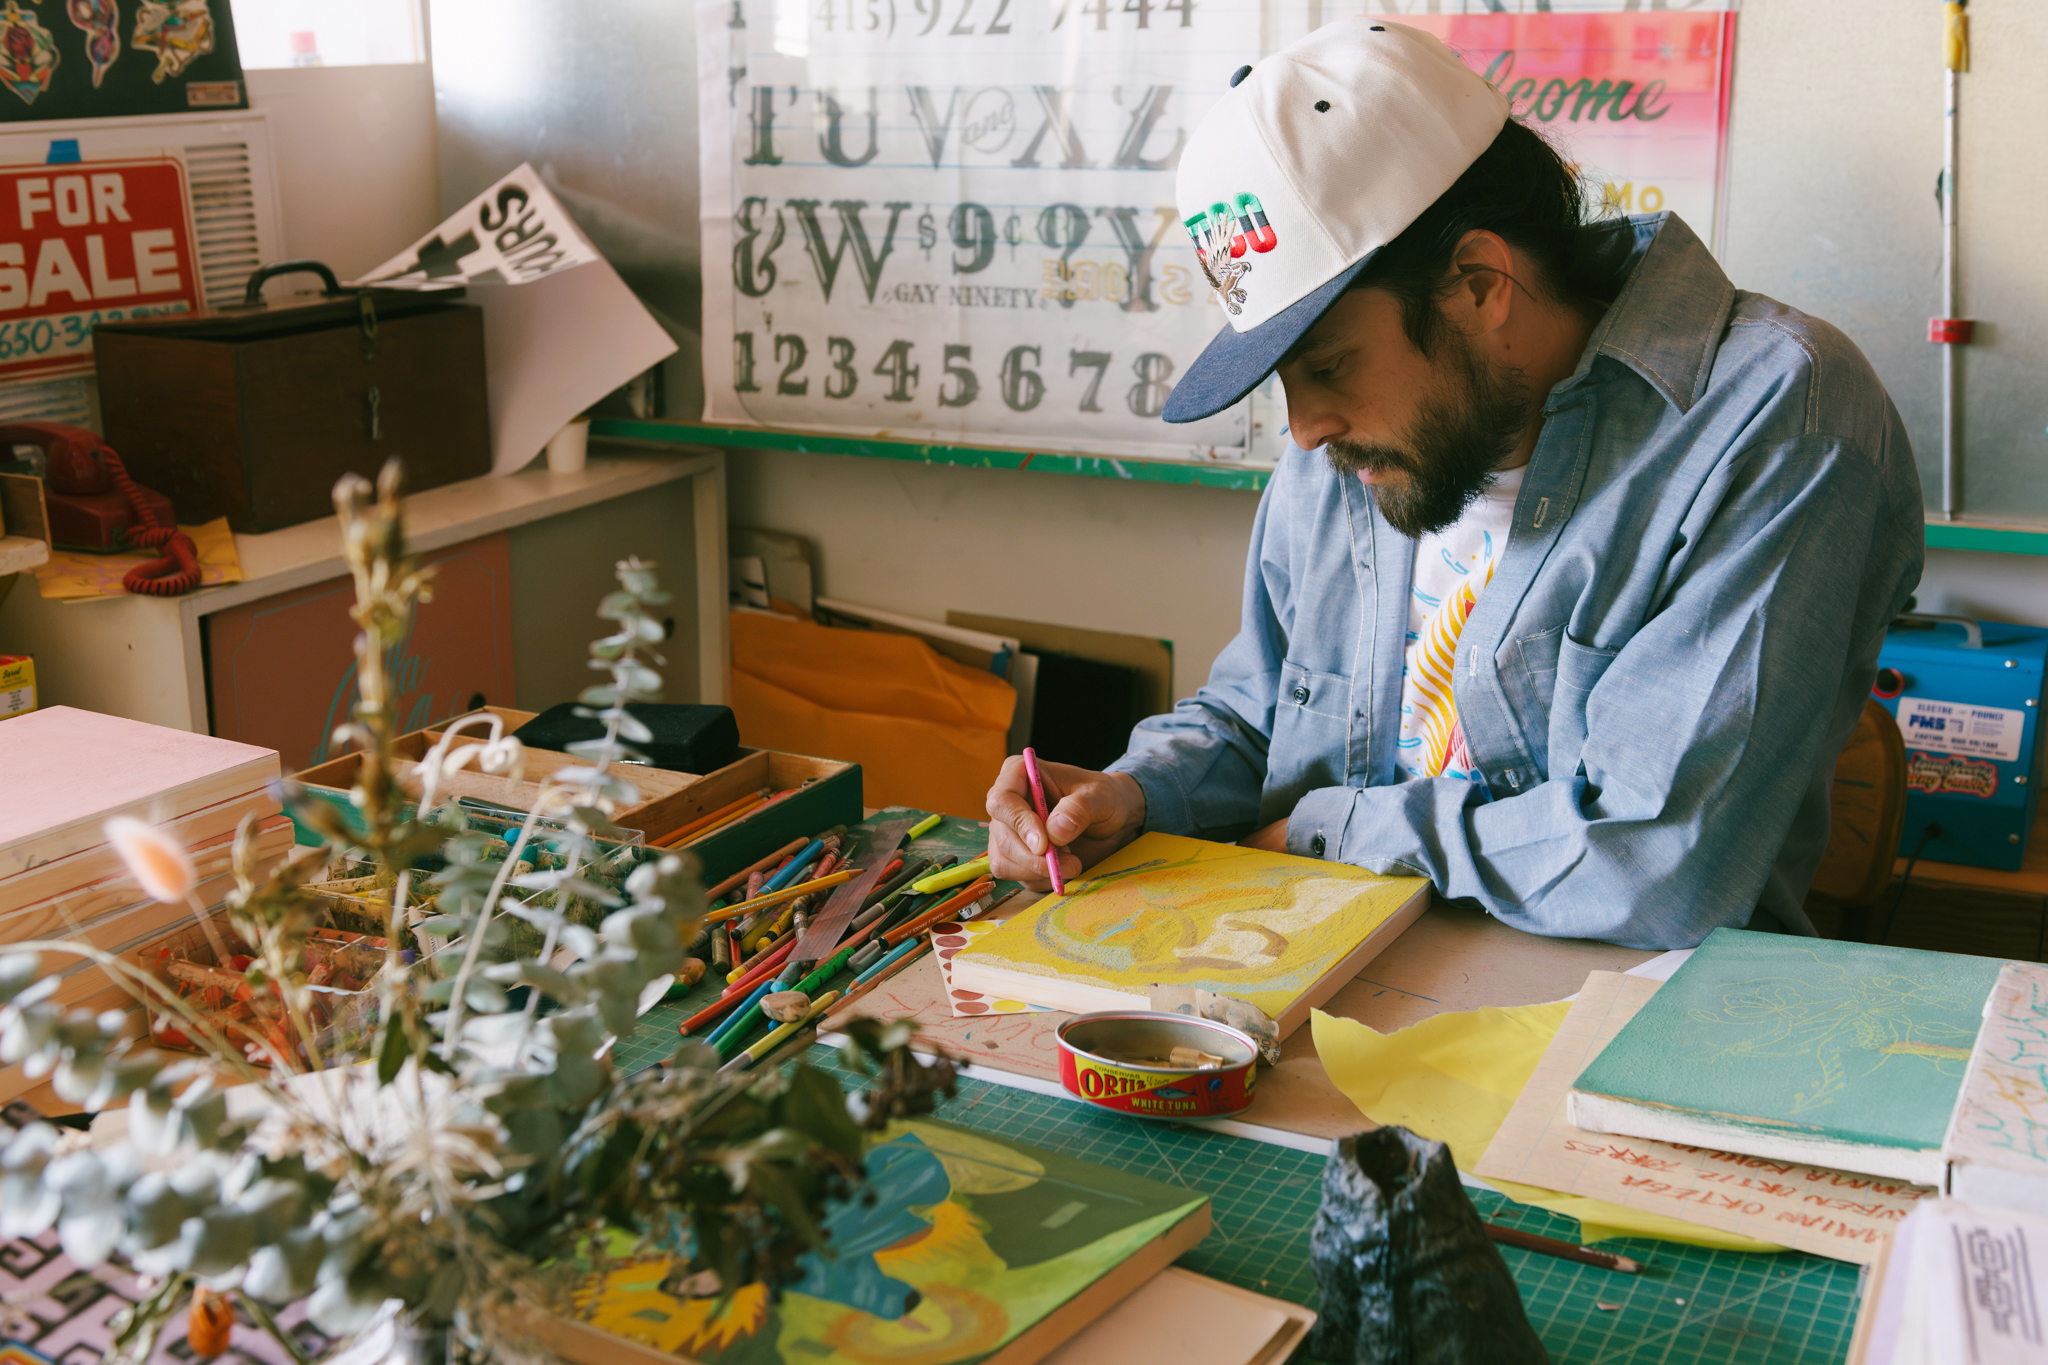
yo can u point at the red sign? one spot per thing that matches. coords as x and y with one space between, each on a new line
88 242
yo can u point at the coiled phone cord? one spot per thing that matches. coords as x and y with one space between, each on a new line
178 571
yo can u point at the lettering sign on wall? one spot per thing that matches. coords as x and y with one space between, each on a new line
1638 100
87 242
955 219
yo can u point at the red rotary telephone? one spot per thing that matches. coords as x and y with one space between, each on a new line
95 506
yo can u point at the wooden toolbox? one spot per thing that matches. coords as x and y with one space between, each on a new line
253 412
669 800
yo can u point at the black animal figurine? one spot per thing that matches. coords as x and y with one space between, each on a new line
1408 1274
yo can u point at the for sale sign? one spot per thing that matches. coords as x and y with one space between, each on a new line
89 242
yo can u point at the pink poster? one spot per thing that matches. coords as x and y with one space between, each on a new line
1638 100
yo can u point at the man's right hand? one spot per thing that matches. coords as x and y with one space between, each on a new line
1091 815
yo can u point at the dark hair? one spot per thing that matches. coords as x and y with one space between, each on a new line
1519 188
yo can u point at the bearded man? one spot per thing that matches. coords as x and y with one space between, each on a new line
1571 588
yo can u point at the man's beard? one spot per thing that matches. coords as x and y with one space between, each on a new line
1471 421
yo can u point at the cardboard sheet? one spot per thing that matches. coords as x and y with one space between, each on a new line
1455 1077
1828 1213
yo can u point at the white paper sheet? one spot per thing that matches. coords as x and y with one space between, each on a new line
561 329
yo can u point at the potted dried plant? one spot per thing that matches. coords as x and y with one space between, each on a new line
457 1180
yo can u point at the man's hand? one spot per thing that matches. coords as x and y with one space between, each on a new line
1273 838
1091 815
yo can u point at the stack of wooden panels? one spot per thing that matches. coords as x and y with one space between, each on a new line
65 773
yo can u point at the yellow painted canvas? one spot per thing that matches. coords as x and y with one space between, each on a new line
1279 931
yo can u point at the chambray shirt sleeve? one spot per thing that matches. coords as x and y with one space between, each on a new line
1701 731
1202 765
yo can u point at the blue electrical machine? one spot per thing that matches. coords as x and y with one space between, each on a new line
1967 695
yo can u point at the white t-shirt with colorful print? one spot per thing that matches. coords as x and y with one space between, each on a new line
1452 567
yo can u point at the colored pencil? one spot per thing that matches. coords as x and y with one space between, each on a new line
900 890
882 971
998 903
720 826
775 1038
747 802
896 881
789 1047
743 1016
782 897
789 871
742 970
1564 1251
739 878
1052 857
888 960
952 876
940 911
732 996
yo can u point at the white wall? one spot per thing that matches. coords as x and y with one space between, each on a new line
356 163
1147 559
1835 147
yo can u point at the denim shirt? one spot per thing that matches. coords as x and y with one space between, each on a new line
1721 516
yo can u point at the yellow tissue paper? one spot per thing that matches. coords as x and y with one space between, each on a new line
1453 1077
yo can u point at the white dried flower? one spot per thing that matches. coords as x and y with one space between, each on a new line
159 863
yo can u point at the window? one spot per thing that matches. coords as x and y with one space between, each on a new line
274 33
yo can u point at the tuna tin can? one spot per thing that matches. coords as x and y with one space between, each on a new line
1117 1060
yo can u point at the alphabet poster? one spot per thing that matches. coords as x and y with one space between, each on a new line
954 219
84 242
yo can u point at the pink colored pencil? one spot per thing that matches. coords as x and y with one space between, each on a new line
1052 859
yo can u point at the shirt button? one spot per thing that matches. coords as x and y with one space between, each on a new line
1301 696
1315 845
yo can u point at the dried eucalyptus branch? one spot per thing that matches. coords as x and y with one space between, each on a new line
466 1171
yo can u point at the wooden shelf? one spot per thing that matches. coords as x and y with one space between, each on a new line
279 561
2030 880
1219 474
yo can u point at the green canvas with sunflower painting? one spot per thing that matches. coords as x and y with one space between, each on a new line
973 1249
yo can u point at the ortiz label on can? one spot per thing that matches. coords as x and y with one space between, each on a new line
1155 1093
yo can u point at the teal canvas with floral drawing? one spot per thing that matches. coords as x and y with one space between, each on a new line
1845 1053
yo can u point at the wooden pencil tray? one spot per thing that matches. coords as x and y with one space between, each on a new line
832 798
656 784
671 799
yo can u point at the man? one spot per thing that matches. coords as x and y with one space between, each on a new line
1572 589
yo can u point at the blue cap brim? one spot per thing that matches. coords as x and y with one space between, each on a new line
1237 362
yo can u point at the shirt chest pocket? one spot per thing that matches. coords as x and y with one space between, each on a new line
1548 678
1311 721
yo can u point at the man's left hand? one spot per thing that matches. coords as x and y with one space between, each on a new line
1273 838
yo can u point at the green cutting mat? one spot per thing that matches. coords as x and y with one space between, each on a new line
1692 1307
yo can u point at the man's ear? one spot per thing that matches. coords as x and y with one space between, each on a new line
1483 268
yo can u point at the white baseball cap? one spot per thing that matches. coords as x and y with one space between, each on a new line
1316 158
